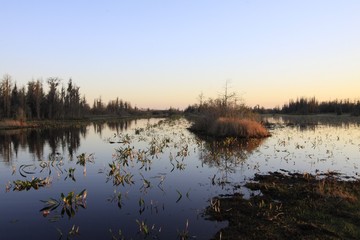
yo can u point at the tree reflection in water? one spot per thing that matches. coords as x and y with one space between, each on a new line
66 139
116 125
226 155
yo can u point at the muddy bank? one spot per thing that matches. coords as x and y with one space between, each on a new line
291 206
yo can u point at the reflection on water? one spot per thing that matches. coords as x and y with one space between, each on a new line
226 155
64 139
147 178
310 122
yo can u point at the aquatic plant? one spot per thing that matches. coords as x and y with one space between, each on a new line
147 230
124 154
83 158
184 234
73 232
146 183
117 236
69 204
142 157
71 174
117 197
143 228
141 205
35 183
117 177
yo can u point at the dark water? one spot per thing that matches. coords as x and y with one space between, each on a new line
162 180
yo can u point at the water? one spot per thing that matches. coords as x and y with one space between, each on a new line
170 175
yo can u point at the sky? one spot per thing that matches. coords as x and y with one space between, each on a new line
164 53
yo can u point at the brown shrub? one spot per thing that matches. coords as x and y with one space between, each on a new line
237 127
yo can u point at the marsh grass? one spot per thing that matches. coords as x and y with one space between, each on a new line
237 127
230 127
292 205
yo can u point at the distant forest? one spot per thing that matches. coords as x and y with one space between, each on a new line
59 102
306 106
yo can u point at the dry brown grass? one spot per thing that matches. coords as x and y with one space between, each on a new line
331 188
237 127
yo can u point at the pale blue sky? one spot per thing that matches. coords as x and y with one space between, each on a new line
159 54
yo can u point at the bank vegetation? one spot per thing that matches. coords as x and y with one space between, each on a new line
225 116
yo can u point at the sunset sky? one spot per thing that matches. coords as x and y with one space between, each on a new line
159 54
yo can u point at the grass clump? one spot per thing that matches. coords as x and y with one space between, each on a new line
237 127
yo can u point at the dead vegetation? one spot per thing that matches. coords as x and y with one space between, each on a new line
291 206
237 127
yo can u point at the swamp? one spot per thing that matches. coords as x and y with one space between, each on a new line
155 179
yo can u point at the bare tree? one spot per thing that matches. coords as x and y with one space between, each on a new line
201 99
227 96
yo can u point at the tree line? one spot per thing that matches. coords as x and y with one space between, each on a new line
306 106
58 102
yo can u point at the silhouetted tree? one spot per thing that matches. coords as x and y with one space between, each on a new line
53 98
35 99
5 96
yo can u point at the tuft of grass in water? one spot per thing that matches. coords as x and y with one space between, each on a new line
69 203
184 234
83 158
71 174
117 177
35 183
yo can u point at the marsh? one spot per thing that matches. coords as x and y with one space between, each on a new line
151 178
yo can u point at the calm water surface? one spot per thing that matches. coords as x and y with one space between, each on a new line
162 180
